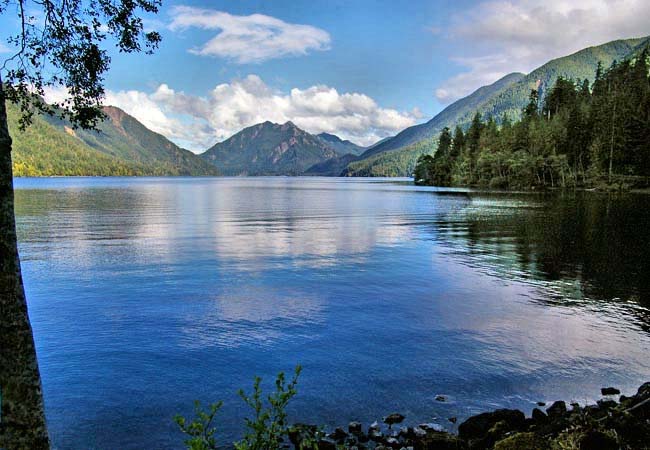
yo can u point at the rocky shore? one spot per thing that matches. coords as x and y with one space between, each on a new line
614 422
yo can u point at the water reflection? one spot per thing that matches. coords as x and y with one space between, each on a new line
146 294
586 247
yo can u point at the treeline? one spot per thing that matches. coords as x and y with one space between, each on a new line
579 135
393 163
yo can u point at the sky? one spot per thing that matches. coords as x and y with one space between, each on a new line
362 70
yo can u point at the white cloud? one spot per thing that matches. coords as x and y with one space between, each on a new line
249 39
520 35
198 122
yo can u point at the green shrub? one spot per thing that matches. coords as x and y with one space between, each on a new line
266 430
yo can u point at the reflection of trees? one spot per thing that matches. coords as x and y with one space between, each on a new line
599 242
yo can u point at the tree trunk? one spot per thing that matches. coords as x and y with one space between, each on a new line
22 416
611 144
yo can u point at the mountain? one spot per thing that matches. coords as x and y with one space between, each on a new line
269 149
120 146
578 66
332 167
450 115
508 95
393 163
341 146
44 150
123 137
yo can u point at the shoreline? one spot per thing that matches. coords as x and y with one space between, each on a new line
614 422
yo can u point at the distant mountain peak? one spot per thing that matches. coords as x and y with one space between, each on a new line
269 149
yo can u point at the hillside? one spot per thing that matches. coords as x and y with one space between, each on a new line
269 149
448 116
44 150
124 137
577 66
393 163
508 95
121 146
331 167
341 146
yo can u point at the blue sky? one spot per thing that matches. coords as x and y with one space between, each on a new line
361 69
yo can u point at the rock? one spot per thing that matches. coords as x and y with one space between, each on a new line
539 416
375 434
607 404
644 391
326 444
479 425
373 426
441 398
338 434
453 419
597 440
610 391
432 427
440 441
393 442
419 433
355 427
556 409
594 411
392 419
300 431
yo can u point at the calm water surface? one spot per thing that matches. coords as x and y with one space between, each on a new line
148 293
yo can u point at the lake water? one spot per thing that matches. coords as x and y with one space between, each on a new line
148 293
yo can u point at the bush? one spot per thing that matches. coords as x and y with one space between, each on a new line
265 430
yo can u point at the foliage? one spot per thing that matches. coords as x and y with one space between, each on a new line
51 147
200 431
63 47
396 163
509 95
267 428
577 136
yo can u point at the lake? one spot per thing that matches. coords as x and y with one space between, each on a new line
148 293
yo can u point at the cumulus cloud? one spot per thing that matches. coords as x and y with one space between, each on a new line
198 122
249 39
520 35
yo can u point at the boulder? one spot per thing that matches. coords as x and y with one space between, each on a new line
478 426
392 419
338 434
440 441
375 434
556 409
393 442
432 427
326 444
597 440
355 427
539 416
607 404
609 391
419 433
